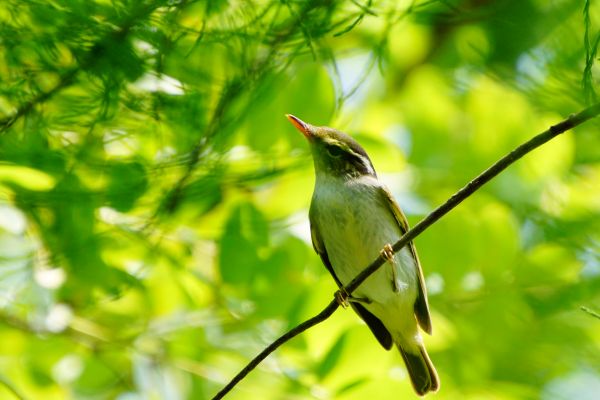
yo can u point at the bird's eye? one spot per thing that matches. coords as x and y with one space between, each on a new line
335 151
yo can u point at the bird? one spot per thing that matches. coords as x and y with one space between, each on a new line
353 219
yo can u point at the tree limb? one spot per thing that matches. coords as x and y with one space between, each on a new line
474 185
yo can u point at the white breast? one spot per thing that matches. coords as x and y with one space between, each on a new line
355 223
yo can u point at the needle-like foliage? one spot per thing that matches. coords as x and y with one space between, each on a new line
153 228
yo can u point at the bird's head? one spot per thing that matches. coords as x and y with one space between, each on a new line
334 153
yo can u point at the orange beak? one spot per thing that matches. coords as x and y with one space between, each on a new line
302 126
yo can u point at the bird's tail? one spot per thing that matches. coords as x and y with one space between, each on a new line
422 373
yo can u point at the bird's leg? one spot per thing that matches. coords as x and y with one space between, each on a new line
344 299
388 254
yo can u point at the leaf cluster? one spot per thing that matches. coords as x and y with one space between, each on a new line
153 198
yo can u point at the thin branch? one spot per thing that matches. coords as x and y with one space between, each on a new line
366 10
590 56
476 183
453 201
591 312
24 109
232 90
11 388
309 323
68 78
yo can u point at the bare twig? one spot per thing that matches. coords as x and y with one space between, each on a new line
11 388
309 323
478 182
591 312
487 175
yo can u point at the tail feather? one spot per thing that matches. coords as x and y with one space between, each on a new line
421 371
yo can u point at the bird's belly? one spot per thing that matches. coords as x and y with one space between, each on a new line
354 234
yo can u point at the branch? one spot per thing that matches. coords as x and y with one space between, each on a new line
309 323
68 78
65 80
231 91
591 312
474 185
11 388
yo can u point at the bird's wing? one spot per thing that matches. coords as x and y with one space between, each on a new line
421 304
379 330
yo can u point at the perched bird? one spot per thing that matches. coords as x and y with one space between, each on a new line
353 218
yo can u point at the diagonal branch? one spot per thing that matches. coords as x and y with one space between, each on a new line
589 311
474 185
309 323
140 11
65 80
478 182
232 91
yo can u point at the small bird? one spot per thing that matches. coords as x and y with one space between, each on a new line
353 218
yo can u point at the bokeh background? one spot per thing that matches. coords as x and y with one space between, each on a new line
153 198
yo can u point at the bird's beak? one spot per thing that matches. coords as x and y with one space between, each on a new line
302 126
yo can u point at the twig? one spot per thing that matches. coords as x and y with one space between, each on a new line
587 81
68 78
11 388
309 323
24 109
591 312
365 10
232 90
487 175
476 183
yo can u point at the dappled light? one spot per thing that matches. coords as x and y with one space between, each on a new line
154 198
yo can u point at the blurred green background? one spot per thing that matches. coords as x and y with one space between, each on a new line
153 198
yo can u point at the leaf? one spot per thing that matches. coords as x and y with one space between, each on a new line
127 183
25 177
204 193
351 385
246 232
330 359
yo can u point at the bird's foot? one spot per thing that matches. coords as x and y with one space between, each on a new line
341 296
344 299
388 254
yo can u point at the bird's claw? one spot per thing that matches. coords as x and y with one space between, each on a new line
388 252
341 296
344 299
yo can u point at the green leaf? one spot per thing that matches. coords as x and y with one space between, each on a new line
332 356
351 385
246 233
127 183
204 193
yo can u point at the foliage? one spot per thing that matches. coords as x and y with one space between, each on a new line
153 227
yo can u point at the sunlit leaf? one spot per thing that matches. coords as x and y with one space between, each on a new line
154 232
